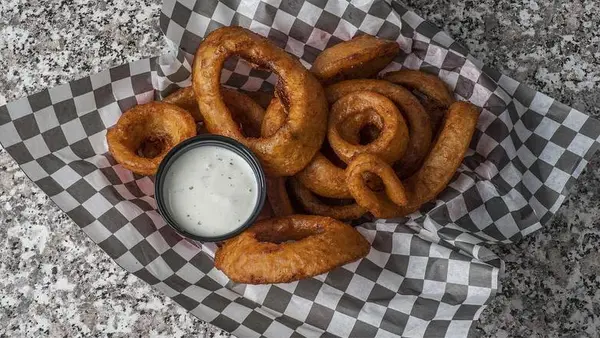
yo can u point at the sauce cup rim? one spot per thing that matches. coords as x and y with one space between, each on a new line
209 140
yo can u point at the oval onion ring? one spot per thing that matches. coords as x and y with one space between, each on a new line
294 144
362 57
286 249
144 134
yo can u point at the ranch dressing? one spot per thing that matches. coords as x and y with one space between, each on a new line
210 191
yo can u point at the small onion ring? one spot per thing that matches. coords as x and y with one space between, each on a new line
381 204
286 249
161 123
292 147
419 124
375 109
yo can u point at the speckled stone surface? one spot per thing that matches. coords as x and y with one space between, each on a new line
54 280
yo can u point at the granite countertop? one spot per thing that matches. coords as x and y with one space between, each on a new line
54 280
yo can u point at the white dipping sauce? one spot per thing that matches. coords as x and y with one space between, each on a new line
210 191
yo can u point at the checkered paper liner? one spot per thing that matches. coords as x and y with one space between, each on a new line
426 275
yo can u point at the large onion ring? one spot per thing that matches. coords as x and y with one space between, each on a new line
157 126
294 144
263 254
362 57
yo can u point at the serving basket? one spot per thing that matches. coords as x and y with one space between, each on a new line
429 274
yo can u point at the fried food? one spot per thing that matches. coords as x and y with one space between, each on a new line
419 124
433 92
356 110
382 204
186 99
293 145
313 205
286 249
444 159
144 134
245 111
362 57
278 197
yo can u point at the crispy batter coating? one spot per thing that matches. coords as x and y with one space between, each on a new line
286 249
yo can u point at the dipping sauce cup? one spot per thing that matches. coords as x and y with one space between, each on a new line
210 188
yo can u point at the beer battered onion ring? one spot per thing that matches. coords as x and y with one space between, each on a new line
144 134
362 57
440 165
293 145
311 203
286 249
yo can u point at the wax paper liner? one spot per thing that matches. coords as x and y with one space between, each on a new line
426 275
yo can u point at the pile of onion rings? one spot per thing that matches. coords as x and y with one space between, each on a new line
336 142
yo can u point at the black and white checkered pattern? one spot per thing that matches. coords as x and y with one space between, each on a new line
426 275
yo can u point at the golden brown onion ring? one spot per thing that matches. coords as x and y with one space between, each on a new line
286 249
444 159
374 109
294 144
311 204
362 57
154 128
419 124
382 204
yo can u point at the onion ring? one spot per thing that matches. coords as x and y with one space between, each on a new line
311 204
371 108
186 99
154 127
419 124
294 144
278 197
263 254
437 96
382 204
362 57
